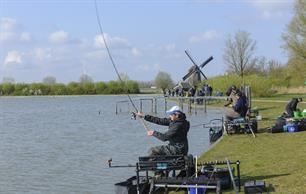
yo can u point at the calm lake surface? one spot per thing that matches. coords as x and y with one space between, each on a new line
62 144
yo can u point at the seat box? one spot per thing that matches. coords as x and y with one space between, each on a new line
130 186
254 187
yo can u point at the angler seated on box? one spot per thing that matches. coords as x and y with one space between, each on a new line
176 134
239 110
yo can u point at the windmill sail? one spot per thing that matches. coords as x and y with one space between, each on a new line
194 73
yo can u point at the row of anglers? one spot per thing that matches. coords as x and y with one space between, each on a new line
206 90
178 125
237 107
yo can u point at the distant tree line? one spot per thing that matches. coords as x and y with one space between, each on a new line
72 88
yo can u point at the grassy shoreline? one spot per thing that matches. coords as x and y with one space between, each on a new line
278 159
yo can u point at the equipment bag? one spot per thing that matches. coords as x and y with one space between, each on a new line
279 124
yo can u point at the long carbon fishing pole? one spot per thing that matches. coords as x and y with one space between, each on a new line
114 65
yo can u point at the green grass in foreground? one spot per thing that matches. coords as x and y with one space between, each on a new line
278 159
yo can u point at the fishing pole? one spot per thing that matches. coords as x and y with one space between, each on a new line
210 124
114 65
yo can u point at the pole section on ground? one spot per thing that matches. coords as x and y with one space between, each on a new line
231 175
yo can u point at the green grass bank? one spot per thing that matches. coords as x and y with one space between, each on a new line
279 158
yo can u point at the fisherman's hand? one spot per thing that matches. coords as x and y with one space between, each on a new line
150 133
139 114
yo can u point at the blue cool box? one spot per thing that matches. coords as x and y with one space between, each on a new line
193 190
292 128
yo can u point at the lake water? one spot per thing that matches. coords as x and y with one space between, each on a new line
62 144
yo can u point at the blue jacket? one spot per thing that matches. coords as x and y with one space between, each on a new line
241 106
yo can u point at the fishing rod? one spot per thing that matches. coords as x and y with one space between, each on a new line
118 166
114 65
212 123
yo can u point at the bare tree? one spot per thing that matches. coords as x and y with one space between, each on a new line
238 53
124 77
274 66
8 80
163 80
84 78
49 80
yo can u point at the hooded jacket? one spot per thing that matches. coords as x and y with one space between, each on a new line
241 106
291 106
177 132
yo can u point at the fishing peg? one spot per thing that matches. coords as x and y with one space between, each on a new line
110 162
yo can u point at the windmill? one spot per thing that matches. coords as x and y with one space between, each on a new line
195 72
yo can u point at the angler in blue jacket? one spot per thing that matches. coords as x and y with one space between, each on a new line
239 109
176 134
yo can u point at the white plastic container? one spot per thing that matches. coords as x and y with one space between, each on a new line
258 117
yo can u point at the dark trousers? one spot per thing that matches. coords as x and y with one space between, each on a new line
290 112
165 150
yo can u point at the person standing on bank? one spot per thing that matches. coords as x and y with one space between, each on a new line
292 106
176 134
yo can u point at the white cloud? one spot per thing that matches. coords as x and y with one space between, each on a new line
11 32
99 42
270 15
169 47
59 37
8 24
206 36
149 67
271 4
271 9
96 55
136 52
41 54
115 42
12 57
7 27
6 37
25 37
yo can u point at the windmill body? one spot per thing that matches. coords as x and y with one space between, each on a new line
195 76
194 73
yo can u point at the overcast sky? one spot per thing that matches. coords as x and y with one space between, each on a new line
61 38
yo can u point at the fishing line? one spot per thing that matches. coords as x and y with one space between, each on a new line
211 123
114 65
